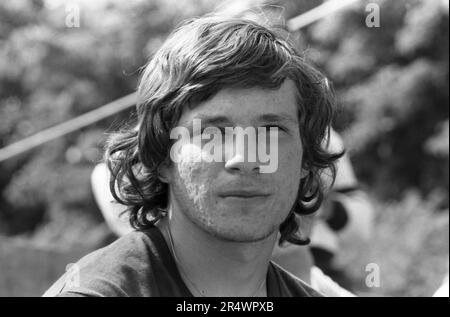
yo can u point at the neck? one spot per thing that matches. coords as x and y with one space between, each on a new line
214 267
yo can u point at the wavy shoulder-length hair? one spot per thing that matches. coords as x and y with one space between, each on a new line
201 57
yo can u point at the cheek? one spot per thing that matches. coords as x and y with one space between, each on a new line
291 154
192 175
188 169
289 172
189 175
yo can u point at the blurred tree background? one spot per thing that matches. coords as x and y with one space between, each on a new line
391 83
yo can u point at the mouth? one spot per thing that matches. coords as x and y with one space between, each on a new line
243 194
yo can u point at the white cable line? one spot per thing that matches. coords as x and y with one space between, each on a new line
67 127
318 13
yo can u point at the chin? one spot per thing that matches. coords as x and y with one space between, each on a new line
241 233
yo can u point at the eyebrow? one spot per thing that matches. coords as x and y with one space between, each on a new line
221 120
211 120
277 117
215 120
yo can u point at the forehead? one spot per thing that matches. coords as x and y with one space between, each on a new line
245 106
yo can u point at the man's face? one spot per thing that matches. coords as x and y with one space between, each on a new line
231 199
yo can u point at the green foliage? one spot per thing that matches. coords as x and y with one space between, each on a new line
410 246
392 83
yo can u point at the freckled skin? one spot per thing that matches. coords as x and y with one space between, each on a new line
195 186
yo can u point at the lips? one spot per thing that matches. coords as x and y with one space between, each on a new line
243 193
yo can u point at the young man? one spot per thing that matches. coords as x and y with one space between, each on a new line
207 223
348 212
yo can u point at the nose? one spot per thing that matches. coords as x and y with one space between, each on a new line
238 164
241 154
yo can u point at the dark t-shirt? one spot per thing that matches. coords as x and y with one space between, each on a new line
140 264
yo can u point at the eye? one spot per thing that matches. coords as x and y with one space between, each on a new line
269 126
213 129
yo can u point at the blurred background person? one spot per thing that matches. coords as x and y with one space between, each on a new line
346 211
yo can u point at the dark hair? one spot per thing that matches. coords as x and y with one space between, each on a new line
200 58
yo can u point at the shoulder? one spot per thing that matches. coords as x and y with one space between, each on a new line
119 269
291 286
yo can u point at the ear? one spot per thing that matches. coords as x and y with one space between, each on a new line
304 170
164 173
304 173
